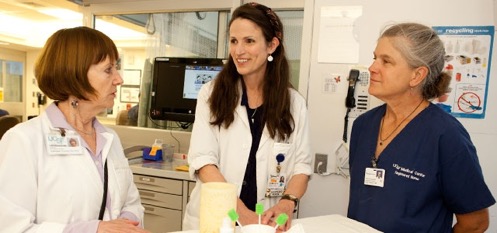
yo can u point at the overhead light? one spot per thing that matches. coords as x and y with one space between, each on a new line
63 14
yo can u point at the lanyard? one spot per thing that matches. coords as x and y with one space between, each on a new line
104 198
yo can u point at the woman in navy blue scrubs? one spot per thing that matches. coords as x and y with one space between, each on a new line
429 164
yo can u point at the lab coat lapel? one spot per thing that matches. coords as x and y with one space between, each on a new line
108 144
241 112
264 137
89 163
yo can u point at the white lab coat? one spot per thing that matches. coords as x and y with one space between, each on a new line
229 150
40 192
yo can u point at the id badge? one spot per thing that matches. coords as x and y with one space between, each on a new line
276 185
70 144
374 177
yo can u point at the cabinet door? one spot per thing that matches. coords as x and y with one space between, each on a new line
161 220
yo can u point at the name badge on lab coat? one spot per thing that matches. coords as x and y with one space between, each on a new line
277 179
69 144
276 185
374 177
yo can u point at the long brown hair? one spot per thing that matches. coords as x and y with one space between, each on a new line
226 94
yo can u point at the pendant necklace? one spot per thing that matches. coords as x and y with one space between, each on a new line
397 127
85 132
255 110
253 114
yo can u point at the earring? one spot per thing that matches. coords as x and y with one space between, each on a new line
74 103
270 58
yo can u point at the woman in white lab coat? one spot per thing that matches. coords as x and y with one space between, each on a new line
251 126
47 183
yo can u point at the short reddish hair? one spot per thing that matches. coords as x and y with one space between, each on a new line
62 67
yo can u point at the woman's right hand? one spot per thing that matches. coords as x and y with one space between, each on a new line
246 216
120 226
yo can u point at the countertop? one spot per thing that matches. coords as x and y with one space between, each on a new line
159 168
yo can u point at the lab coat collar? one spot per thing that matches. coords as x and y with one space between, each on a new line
58 121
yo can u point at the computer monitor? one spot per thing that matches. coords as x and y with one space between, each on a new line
176 82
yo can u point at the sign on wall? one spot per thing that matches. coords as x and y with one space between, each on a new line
468 58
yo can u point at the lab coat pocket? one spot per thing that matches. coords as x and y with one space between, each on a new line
282 148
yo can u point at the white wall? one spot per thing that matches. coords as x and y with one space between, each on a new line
329 194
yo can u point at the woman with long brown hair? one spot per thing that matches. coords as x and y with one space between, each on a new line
251 125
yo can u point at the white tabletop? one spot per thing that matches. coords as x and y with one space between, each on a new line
323 224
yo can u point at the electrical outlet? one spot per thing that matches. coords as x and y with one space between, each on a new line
320 163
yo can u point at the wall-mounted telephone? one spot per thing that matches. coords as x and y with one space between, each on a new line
357 100
361 95
350 99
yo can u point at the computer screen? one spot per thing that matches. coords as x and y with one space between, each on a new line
176 83
196 76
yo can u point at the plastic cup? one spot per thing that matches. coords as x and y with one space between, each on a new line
258 228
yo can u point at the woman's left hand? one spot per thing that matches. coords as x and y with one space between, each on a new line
283 206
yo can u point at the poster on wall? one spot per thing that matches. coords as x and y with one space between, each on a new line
130 94
468 55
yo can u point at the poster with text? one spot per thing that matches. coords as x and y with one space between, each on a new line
468 55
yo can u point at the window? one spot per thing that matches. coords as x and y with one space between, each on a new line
142 37
11 76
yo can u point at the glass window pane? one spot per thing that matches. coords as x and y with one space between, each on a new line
1 74
141 38
164 34
12 81
292 28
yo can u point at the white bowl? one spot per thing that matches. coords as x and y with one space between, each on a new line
258 228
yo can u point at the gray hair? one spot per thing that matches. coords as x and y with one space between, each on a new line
421 46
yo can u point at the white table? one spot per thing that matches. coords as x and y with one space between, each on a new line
323 224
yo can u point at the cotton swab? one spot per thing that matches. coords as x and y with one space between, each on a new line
281 220
234 216
259 209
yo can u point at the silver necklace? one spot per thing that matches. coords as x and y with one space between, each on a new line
85 132
397 127
253 114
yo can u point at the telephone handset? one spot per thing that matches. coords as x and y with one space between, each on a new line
353 77
357 91
361 94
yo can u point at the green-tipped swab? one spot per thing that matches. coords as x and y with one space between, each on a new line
281 220
234 216
259 210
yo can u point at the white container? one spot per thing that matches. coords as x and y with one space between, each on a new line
227 226
258 228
